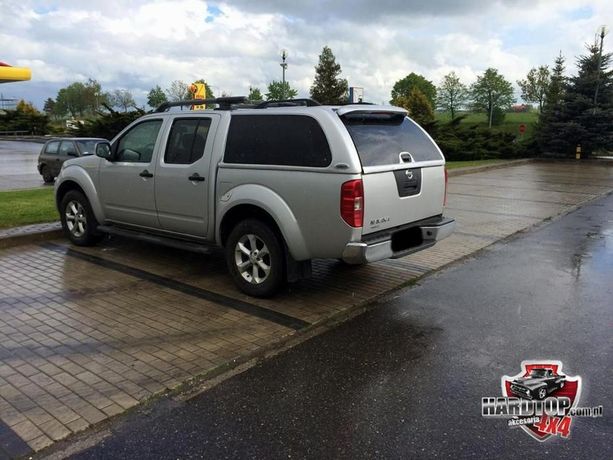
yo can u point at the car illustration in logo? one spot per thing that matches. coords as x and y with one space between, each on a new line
539 383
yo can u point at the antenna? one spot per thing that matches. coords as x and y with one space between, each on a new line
283 62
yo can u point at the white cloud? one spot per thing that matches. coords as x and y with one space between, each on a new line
139 44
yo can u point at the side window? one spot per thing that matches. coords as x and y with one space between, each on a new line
68 148
187 140
289 140
136 146
52 148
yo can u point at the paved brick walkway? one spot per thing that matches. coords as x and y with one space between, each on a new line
86 333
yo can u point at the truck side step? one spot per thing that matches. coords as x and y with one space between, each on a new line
176 243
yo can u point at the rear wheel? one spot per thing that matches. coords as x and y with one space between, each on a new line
254 256
78 219
47 176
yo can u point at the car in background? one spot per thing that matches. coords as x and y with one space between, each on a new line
56 151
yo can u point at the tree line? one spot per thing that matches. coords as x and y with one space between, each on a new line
569 112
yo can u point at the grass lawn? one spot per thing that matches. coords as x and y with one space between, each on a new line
465 164
23 207
510 124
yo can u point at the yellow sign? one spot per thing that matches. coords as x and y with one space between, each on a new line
198 91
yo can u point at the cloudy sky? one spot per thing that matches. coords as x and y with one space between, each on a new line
136 44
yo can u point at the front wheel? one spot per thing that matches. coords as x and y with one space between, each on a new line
78 219
254 256
541 393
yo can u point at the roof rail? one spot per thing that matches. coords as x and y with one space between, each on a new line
224 103
305 102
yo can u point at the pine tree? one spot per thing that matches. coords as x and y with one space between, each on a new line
328 87
555 92
577 120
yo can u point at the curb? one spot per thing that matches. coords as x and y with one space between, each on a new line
18 236
474 169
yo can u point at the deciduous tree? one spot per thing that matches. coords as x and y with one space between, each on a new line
122 98
255 94
404 86
451 94
491 91
177 91
278 91
535 86
418 106
156 97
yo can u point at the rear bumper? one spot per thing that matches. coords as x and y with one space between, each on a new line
428 234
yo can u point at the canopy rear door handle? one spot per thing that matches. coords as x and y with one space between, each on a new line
145 173
196 178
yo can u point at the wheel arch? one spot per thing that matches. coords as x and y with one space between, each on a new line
86 187
253 201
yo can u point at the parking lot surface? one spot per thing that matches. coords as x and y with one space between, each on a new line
405 380
18 162
87 333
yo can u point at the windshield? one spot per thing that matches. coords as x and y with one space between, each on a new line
87 147
538 373
380 138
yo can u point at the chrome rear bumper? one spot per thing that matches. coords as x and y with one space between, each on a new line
360 252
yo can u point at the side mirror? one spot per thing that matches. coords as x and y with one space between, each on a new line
103 150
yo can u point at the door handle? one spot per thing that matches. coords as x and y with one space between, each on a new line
145 173
196 178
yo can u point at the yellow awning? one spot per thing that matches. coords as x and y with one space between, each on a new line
9 74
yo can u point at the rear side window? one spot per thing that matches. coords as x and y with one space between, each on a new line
87 147
68 148
287 140
380 138
187 140
52 148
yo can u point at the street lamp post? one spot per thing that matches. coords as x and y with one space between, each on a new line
283 63
603 32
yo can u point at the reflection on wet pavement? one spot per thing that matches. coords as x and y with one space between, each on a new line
18 165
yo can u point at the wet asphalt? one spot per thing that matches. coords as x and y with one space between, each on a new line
18 160
406 379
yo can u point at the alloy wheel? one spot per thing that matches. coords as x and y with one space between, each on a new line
252 259
76 220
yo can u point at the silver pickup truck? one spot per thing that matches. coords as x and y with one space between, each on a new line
275 184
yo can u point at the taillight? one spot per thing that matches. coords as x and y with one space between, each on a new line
352 202
446 179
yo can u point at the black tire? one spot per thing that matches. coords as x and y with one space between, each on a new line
262 284
539 393
47 176
78 220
